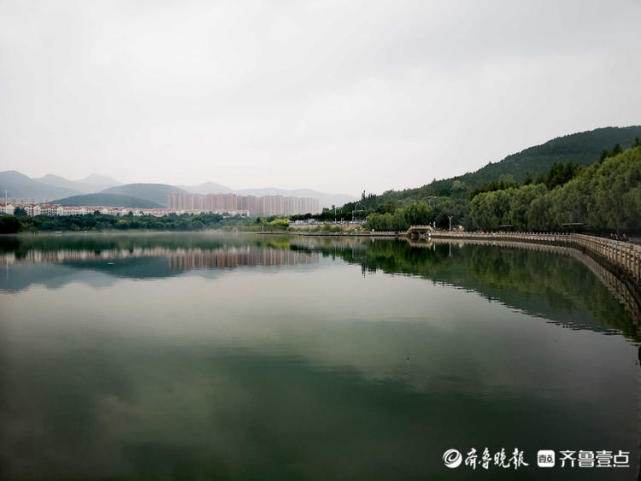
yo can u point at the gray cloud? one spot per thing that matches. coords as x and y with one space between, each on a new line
339 96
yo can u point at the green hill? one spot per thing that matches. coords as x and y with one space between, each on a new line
157 193
449 197
583 148
108 200
604 197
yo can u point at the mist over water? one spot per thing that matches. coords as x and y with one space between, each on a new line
202 356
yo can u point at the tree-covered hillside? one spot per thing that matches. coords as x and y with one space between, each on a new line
157 193
605 196
583 148
450 196
108 200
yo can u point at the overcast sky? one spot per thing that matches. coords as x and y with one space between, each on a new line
338 96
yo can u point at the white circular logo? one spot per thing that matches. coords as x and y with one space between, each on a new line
452 458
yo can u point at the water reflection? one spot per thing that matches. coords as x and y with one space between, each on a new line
559 284
140 257
211 253
179 259
299 367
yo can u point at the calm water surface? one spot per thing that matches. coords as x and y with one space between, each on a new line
207 356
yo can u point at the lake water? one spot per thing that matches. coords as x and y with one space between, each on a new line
209 356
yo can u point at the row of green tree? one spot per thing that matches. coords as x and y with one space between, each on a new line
394 216
581 149
558 174
439 208
604 196
552 164
100 222
416 213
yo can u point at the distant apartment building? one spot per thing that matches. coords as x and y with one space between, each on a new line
55 210
50 210
254 206
183 203
7 209
32 209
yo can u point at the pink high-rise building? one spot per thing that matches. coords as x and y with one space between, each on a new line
256 206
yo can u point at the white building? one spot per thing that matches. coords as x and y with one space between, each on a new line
49 210
32 209
72 210
7 209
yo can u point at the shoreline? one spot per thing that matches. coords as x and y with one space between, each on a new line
621 258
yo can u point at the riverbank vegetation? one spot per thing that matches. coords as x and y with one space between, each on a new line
451 196
605 196
100 222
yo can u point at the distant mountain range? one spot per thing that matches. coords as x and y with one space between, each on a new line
102 190
19 186
583 148
90 184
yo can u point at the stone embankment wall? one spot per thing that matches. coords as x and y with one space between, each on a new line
623 256
617 285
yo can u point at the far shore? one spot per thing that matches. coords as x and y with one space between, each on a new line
298 233
443 234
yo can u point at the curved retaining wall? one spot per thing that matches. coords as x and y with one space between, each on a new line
623 256
620 289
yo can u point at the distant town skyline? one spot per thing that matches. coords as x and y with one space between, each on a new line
334 96
252 205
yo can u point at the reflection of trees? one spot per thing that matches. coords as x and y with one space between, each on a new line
178 259
20 246
541 280
532 278
139 257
